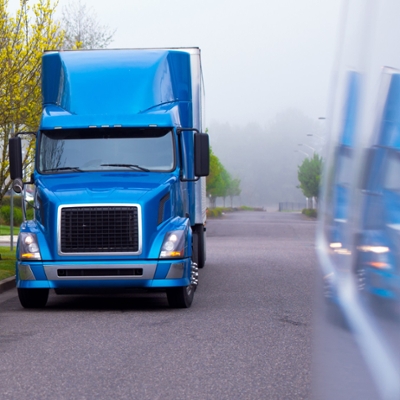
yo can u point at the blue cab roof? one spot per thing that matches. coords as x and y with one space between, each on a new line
116 88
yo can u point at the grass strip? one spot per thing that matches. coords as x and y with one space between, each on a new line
7 263
5 230
218 211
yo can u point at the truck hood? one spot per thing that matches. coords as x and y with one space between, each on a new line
154 193
110 187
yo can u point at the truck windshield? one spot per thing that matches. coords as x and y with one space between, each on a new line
101 149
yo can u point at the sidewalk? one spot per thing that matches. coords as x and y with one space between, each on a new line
7 238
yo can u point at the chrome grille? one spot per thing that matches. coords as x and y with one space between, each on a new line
99 229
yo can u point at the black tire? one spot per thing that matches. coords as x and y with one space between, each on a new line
180 297
199 246
33 298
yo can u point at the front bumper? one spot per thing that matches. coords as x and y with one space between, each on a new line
118 274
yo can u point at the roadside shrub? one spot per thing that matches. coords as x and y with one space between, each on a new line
214 212
226 209
29 213
247 208
5 213
218 211
17 200
310 212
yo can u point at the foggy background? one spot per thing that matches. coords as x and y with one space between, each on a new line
265 157
267 69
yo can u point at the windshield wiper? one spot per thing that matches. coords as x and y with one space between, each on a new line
132 166
64 169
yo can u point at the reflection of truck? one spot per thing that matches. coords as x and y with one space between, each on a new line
119 202
337 198
340 178
378 250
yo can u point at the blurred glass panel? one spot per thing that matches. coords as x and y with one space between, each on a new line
357 326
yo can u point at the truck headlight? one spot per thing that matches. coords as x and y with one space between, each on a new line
374 249
29 247
173 245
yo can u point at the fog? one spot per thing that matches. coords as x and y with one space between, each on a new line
267 68
266 157
259 57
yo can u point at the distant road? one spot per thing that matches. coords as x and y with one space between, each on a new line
246 336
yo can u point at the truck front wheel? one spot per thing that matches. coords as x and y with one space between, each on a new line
33 298
180 297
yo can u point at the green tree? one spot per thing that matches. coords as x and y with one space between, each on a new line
23 39
220 182
214 179
309 175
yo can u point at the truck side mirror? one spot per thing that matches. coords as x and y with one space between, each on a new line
15 154
201 154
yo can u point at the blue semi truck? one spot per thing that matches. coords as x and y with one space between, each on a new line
120 167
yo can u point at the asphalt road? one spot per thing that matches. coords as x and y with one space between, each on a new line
246 336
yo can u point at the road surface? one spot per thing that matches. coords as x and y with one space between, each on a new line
246 336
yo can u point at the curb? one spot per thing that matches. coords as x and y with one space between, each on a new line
7 284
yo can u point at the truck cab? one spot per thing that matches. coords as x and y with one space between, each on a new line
120 168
